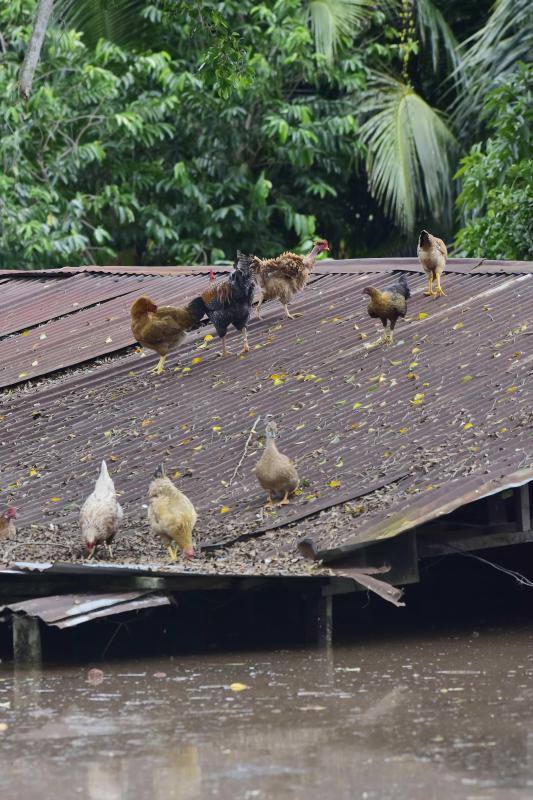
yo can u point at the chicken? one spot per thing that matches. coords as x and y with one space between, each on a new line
163 328
432 254
280 278
276 472
387 306
7 522
171 515
229 302
101 514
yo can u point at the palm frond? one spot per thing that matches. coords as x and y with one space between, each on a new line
409 147
331 19
436 34
119 21
494 51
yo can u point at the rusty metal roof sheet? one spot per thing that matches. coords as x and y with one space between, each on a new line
440 414
69 610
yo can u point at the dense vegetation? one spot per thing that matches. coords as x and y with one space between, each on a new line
176 132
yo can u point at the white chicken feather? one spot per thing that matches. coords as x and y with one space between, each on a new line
101 514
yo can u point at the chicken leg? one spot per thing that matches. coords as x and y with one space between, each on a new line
245 348
160 366
440 291
269 503
288 313
430 291
172 551
285 501
225 352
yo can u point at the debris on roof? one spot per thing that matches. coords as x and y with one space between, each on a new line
383 439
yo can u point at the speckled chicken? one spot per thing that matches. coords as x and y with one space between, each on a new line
7 522
281 277
432 254
171 515
101 514
388 306
276 472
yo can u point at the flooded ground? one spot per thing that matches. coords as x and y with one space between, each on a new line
447 715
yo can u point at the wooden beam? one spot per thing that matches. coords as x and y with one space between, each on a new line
522 508
26 640
443 545
319 619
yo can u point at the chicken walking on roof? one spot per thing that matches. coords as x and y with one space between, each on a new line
229 302
281 277
101 514
7 522
275 471
432 254
171 515
388 306
163 328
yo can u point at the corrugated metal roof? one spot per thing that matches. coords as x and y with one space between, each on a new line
445 410
69 610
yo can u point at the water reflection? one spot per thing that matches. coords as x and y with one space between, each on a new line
427 718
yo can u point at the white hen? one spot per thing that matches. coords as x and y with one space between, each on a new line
101 514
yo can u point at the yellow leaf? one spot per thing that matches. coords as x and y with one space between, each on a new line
334 484
356 405
131 374
423 315
113 458
395 363
33 472
418 398
208 337
467 425
35 363
25 333
363 335
415 350
55 499
458 326
186 369
146 422
354 426
411 376
176 474
198 447
403 430
466 378
3 726
224 509
300 426
23 375
216 428
238 687
43 336
196 360
387 453
107 434
511 389
413 364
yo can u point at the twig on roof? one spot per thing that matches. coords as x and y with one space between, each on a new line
235 471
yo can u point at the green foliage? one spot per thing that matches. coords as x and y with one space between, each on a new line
496 200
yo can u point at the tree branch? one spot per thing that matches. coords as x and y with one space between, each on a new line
44 10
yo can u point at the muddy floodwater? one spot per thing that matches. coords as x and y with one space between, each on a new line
446 715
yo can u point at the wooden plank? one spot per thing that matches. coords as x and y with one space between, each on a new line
522 508
444 545
26 640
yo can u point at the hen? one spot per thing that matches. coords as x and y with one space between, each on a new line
388 306
101 514
163 328
7 522
275 471
280 278
171 514
229 302
432 254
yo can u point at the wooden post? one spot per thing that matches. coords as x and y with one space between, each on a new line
522 508
320 620
26 640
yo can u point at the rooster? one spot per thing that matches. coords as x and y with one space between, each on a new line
163 328
432 254
171 515
387 306
229 302
101 514
7 522
281 277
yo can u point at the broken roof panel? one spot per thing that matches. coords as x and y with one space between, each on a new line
443 411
